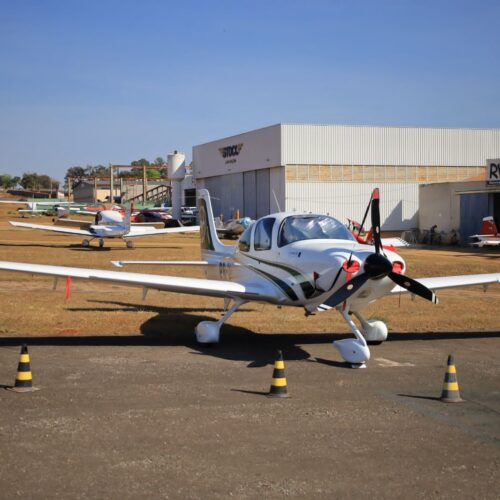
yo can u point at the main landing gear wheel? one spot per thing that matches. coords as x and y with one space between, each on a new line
101 243
85 243
374 331
208 332
130 244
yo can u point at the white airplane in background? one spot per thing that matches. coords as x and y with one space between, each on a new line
288 259
109 224
44 207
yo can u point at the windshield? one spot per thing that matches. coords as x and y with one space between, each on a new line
312 227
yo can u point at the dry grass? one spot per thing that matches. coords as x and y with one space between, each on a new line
29 306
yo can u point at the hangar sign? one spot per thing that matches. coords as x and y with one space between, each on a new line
493 172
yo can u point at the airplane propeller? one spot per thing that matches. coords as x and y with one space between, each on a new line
378 266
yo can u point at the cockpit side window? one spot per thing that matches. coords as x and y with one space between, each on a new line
311 227
262 239
244 241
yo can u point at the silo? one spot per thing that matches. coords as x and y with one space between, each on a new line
176 165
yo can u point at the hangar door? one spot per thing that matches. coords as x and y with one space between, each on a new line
226 193
256 196
473 207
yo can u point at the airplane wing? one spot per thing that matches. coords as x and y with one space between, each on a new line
395 242
195 286
57 229
137 233
73 222
454 281
121 263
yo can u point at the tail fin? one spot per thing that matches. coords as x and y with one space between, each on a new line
488 227
126 218
209 240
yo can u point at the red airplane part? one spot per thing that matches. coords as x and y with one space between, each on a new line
488 227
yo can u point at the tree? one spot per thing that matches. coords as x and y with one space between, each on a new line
29 180
140 162
34 181
75 172
44 182
97 171
7 181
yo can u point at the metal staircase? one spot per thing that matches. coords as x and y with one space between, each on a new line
157 194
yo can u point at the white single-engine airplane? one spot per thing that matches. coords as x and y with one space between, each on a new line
110 224
45 207
288 259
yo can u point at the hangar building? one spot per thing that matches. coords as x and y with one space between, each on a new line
333 168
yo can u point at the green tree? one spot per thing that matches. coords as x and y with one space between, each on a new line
29 180
7 181
140 162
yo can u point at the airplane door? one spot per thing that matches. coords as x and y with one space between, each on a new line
263 235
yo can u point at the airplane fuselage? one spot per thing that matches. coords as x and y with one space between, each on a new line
302 273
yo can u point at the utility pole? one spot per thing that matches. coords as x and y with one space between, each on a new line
111 187
144 184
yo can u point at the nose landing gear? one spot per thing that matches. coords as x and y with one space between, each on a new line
354 351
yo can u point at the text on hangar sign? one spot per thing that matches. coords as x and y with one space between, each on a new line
493 172
229 151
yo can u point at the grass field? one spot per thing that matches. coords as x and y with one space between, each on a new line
30 306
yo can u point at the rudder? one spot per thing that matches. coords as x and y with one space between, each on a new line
209 239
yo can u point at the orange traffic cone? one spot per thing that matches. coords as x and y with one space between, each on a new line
451 393
278 384
24 379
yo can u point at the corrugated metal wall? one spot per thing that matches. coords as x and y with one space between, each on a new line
249 192
398 202
226 193
364 145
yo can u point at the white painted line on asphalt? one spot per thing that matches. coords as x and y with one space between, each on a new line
387 363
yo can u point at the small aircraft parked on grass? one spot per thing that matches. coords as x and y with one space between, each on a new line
45 207
367 239
288 259
109 224
488 235
233 228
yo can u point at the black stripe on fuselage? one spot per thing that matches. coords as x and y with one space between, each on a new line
307 287
284 287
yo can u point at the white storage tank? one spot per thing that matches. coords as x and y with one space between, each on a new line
176 166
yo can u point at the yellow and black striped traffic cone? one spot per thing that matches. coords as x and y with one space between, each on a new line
278 384
451 393
24 379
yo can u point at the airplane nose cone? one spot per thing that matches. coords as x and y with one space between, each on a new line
377 266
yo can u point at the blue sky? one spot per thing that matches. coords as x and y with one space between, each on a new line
88 82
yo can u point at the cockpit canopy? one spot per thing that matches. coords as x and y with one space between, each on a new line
291 229
311 227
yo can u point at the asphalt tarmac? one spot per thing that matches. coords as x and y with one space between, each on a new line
161 417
